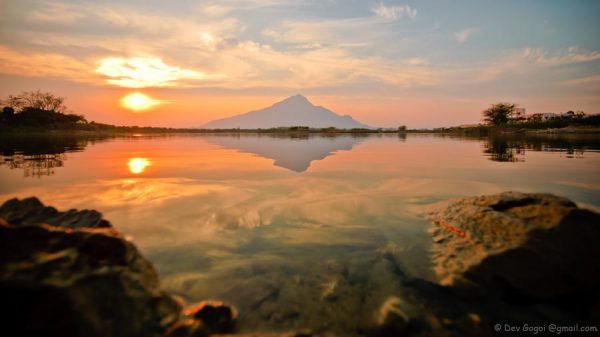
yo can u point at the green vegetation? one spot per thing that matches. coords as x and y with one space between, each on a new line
499 114
299 128
502 116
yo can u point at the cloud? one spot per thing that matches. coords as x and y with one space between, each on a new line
253 50
142 72
273 34
226 7
569 56
43 64
416 61
324 53
55 13
210 41
584 80
530 61
394 12
464 35
262 65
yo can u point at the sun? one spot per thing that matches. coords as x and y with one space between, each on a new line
138 165
139 102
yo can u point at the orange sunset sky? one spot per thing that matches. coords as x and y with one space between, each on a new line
386 63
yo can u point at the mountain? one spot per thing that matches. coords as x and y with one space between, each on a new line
292 111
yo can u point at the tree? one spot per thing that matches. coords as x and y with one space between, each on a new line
36 100
8 111
7 114
36 109
499 113
536 118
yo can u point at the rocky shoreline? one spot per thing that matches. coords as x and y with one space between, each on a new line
534 251
72 274
507 258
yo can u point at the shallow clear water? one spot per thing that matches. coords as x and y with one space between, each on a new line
296 232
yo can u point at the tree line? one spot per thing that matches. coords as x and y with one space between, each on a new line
37 109
503 114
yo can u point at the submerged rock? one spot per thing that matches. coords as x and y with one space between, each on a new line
74 275
526 247
187 328
216 316
391 319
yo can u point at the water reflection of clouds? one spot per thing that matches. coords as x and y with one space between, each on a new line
168 211
136 192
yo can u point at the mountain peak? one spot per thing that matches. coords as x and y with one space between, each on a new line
296 99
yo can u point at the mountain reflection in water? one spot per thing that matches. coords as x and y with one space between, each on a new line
292 152
41 155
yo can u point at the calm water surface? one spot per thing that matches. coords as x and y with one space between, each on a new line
297 232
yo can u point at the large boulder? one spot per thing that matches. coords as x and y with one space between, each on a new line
72 274
525 247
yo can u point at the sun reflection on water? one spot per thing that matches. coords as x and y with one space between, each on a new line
138 165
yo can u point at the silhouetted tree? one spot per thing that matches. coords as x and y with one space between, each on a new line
8 111
38 109
36 100
7 114
499 113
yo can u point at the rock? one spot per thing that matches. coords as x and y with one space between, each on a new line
474 318
398 317
391 319
31 211
525 247
216 316
187 328
61 278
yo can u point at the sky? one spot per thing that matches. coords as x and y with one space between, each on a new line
386 63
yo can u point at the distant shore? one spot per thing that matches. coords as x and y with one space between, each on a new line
513 129
109 130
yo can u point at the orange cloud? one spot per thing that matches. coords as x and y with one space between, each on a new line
143 72
43 65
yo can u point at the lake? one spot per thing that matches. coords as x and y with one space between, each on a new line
295 231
